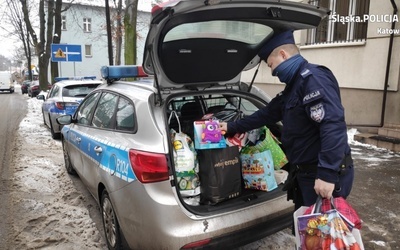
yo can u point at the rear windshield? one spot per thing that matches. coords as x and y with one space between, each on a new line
78 90
246 32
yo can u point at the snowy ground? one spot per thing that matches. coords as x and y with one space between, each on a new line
53 214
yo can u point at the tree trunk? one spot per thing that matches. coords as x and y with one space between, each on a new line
118 34
56 37
130 21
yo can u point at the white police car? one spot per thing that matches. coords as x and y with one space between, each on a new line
63 99
119 140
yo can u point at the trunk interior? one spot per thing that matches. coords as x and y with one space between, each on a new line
223 106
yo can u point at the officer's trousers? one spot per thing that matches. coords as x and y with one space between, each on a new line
306 182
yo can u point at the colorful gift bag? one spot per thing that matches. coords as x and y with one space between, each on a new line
343 207
258 171
270 142
325 231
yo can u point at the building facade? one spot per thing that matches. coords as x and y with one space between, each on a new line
84 24
360 43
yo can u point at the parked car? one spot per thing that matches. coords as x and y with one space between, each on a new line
24 86
63 99
119 139
6 83
34 88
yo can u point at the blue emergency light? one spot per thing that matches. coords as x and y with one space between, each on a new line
62 78
117 72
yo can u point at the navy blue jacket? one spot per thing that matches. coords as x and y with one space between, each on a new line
314 129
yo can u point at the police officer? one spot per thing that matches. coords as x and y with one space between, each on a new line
314 131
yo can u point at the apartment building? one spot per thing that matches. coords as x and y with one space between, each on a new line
84 24
360 42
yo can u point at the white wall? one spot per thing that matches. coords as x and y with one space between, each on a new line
74 34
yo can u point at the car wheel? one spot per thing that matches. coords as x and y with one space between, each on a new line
67 161
54 135
110 223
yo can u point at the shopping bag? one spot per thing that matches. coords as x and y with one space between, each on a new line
266 141
220 174
186 163
258 171
324 230
348 213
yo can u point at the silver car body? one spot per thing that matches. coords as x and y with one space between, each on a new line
118 141
63 99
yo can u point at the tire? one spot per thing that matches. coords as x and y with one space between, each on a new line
54 135
110 223
67 161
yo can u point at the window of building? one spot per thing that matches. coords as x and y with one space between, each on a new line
63 22
88 50
87 24
344 24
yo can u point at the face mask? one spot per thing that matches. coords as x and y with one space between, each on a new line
286 70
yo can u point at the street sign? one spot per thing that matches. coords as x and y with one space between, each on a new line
66 53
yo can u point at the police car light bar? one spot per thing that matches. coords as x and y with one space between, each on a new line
117 72
62 78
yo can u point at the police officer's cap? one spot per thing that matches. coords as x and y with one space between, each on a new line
276 41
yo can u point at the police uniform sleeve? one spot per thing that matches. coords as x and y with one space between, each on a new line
270 114
323 105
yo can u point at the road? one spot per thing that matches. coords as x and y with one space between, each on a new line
12 111
375 194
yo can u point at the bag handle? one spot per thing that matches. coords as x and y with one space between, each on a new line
177 118
318 204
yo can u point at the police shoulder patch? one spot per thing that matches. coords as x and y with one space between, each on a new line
317 112
306 72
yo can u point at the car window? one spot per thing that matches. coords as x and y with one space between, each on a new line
85 110
104 114
125 115
246 32
78 90
54 91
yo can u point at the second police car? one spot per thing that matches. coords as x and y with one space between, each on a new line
63 99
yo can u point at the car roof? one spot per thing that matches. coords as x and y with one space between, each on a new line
196 42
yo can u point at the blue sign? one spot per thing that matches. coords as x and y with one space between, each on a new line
66 53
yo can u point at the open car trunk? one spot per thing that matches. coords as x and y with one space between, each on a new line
223 105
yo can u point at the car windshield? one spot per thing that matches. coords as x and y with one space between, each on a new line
78 90
246 32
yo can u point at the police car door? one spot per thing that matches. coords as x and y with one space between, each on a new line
96 141
74 133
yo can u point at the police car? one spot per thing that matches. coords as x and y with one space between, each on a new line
119 139
63 99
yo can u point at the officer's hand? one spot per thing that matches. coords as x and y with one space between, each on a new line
323 188
223 126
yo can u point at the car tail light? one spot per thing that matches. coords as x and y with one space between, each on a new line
60 105
194 245
148 167
35 87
